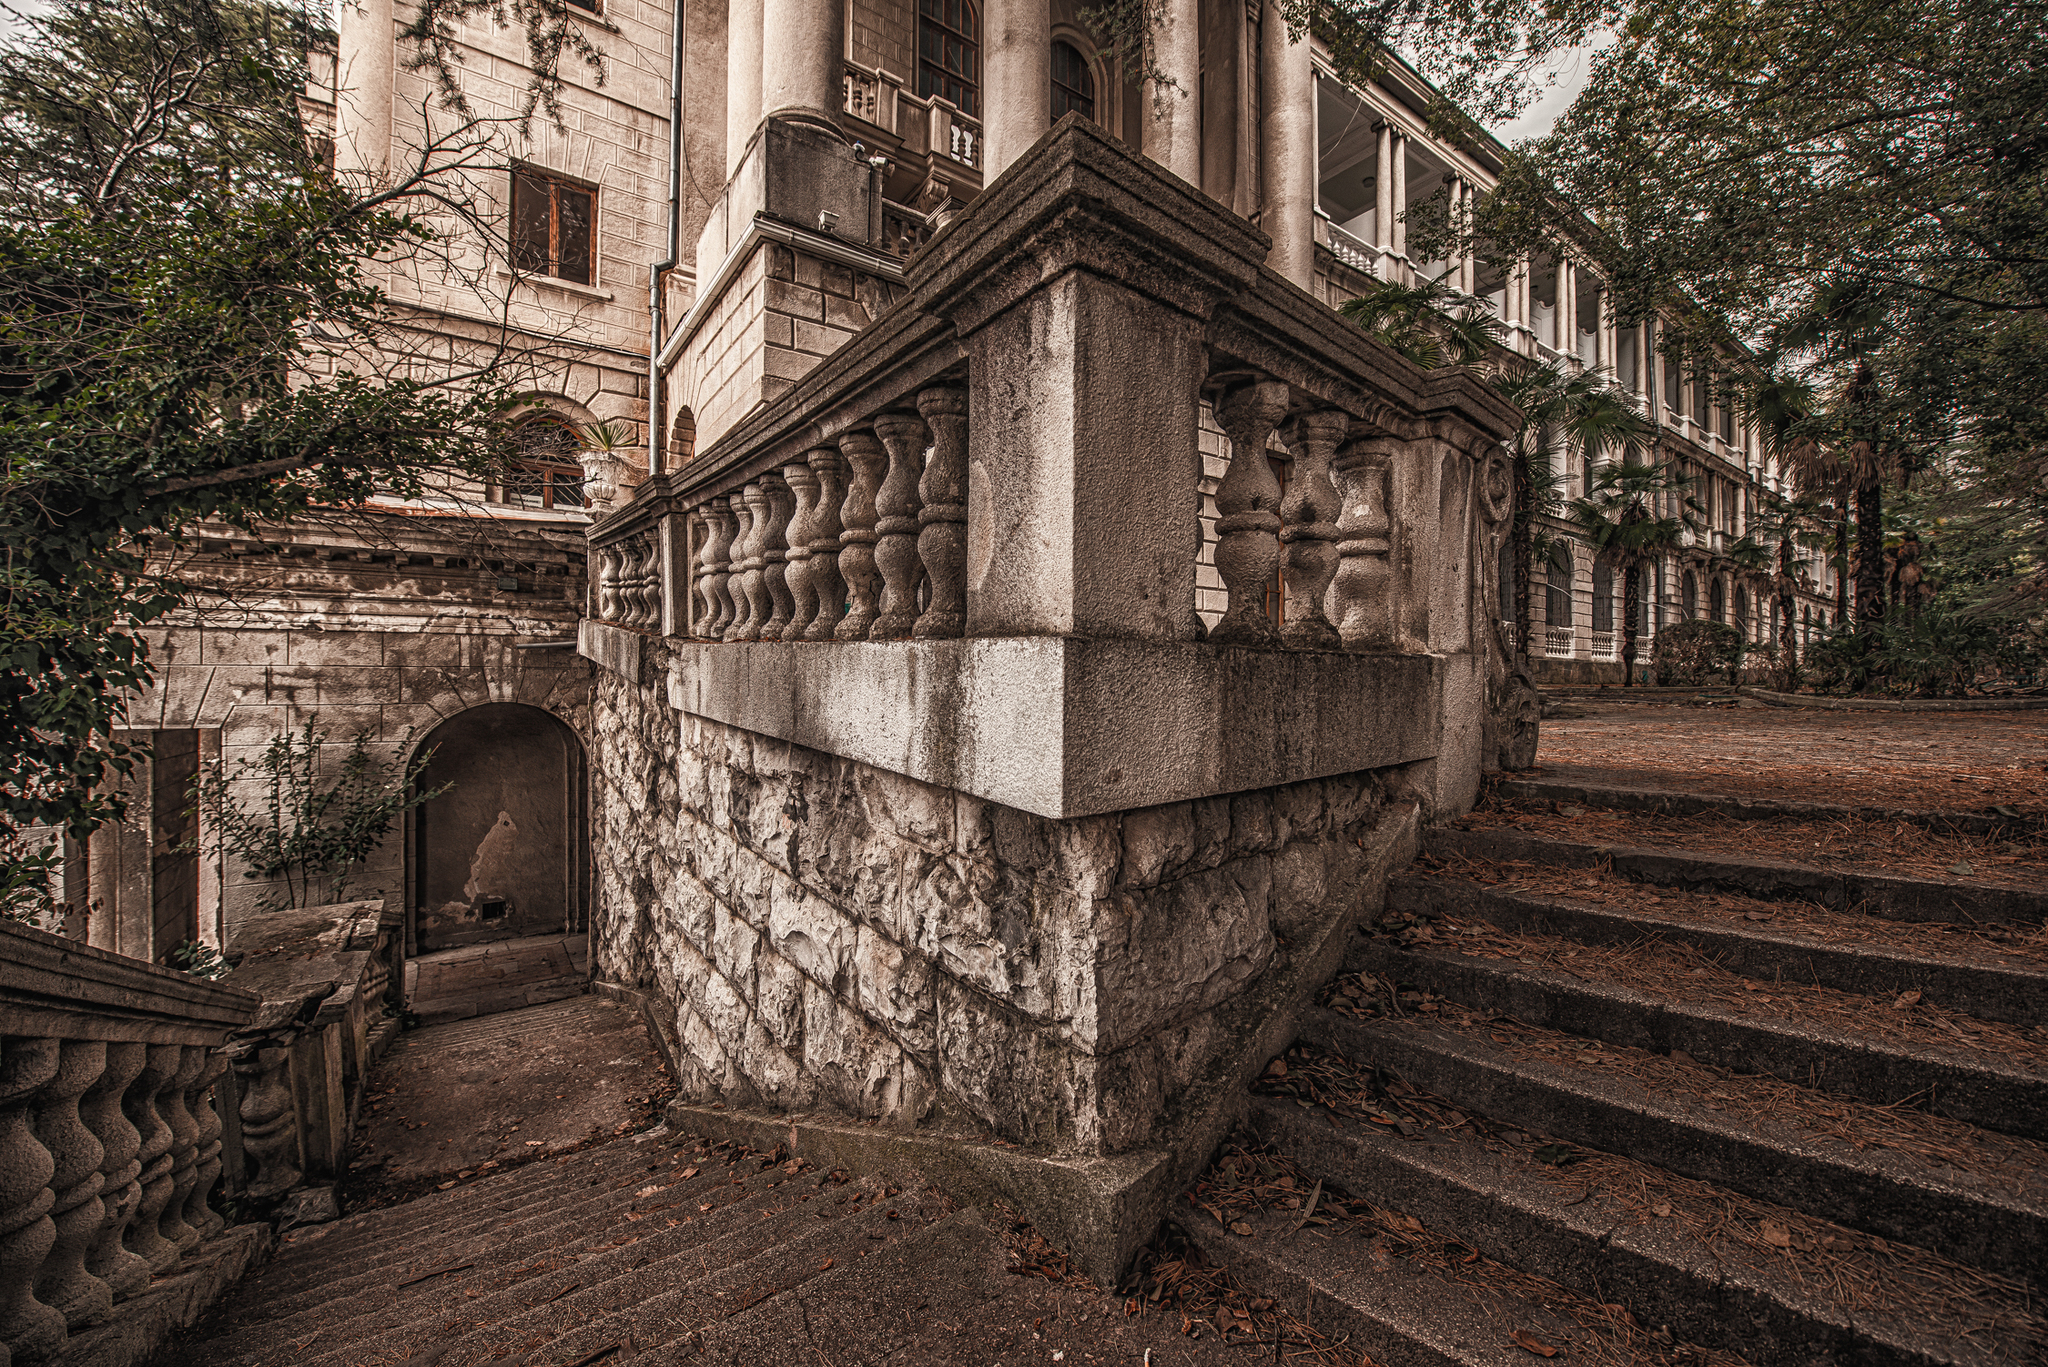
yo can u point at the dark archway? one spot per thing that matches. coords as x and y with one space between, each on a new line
504 852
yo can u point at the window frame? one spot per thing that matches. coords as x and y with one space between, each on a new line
1086 70
550 470
556 182
968 82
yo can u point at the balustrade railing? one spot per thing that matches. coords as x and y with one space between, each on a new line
628 584
1605 645
110 1139
1558 642
925 124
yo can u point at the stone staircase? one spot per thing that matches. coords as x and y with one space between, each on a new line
1621 1101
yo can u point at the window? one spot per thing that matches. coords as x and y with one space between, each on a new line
1073 85
1603 594
541 470
1557 589
1717 601
1688 596
948 53
590 5
552 222
1674 385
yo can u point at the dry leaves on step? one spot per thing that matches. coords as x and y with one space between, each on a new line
826 1266
688 1173
1776 1235
1239 1227
1905 1000
1530 1343
1661 1209
648 1190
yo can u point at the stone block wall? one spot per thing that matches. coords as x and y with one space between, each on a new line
833 934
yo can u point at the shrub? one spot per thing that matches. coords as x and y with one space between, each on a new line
1687 653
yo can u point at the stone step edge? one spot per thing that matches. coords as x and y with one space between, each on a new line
1988 991
1899 899
1871 1189
1972 1089
1590 1246
1675 802
143 1324
1894 704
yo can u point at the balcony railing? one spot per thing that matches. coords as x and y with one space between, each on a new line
1605 645
1558 642
926 125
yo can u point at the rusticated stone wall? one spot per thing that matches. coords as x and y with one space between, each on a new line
829 933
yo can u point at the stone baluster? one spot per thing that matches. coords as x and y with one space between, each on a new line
718 569
201 1100
270 1136
775 556
896 506
697 534
744 570
1362 593
184 1147
632 580
608 584
64 1284
1248 516
796 568
650 582
144 1236
1308 517
942 540
760 604
120 1192
28 1328
826 581
857 541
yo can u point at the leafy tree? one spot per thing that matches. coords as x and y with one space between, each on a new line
1633 514
1768 555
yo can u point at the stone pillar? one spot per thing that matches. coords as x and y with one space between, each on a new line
1397 233
1287 134
1016 68
1383 194
1603 330
804 70
363 66
1567 326
1173 114
742 79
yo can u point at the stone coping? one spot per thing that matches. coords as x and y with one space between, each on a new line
301 956
1063 727
1898 704
53 987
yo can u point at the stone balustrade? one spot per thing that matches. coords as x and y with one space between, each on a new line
111 1143
628 584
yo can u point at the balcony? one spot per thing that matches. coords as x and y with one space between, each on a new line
1558 642
928 127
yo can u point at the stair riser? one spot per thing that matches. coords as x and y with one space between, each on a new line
1669 803
1999 1238
1899 899
1661 1283
1987 992
2014 1104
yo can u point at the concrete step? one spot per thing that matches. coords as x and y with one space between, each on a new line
1971 1196
549 1018
1805 1034
1767 1282
1674 802
1903 899
1757 939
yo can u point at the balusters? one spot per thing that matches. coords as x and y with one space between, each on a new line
63 1283
745 579
120 1192
826 583
1362 592
1248 518
774 552
270 1137
206 1160
942 540
608 584
857 541
1308 517
28 1328
144 1235
896 508
718 568
796 569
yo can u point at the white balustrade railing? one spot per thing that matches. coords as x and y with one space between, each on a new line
1606 645
1510 634
1558 642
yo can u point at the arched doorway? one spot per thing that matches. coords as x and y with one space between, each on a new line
504 852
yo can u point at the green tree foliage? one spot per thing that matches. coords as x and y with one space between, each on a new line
1768 556
184 315
1689 654
1634 514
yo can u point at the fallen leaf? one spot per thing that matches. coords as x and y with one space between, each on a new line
1962 868
1277 1068
1528 1342
444 1186
1240 1227
1661 1209
688 1173
1905 1000
648 1190
825 1266
535 1143
1776 1235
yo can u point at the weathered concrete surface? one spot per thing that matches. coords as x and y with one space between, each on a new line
497 975
504 1090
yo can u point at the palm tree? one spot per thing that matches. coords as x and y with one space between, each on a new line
1619 516
1769 553
1429 322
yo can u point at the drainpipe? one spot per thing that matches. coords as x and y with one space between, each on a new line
657 435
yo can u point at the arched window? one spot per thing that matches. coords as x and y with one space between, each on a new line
1073 85
682 437
1603 594
949 53
1689 596
1717 601
1557 589
541 468
1742 611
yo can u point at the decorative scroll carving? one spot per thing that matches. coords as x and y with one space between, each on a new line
28 1328
120 1192
745 581
1248 517
270 1139
942 542
896 508
857 543
1308 516
718 569
144 1236
826 582
796 571
63 1283
1362 591
774 551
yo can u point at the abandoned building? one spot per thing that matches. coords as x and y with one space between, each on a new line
975 700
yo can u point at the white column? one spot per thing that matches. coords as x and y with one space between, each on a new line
1398 232
742 79
1287 135
803 71
1173 113
1383 191
1017 81
1603 330
1567 307
365 59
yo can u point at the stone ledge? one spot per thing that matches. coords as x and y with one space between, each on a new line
615 649
142 1325
1898 704
1062 727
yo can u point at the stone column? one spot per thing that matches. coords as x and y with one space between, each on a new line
1603 330
363 65
1287 135
804 70
1567 327
1016 66
1383 192
1173 113
1397 232
742 79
